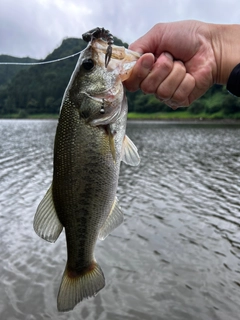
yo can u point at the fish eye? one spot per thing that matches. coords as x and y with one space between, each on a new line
88 64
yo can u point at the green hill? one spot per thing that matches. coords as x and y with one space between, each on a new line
7 72
35 90
39 89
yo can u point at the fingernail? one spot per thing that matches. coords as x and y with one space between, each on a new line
179 61
168 55
147 62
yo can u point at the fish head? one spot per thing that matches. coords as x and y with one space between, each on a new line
97 90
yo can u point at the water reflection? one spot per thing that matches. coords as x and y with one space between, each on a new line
177 255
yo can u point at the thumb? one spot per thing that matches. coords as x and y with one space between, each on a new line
150 42
142 45
137 47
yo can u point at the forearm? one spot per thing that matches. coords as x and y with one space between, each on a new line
226 46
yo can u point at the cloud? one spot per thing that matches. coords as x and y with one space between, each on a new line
37 27
34 28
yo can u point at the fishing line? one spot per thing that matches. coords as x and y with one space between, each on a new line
38 63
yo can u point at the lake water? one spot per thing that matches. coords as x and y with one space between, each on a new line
177 255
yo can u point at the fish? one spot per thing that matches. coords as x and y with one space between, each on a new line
90 143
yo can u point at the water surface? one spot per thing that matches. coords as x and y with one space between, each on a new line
177 255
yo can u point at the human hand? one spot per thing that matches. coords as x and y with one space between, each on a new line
178 63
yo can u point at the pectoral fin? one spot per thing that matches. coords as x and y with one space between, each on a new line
46 223
114 219
129 152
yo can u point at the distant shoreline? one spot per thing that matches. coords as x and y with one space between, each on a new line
168 121
175 116
190 121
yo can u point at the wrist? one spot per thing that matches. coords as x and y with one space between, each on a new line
226 46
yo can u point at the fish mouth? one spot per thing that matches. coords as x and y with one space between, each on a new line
108 94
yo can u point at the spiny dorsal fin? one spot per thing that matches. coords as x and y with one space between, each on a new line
114 219
129 152
46 223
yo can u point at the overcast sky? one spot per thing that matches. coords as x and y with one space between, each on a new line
35 28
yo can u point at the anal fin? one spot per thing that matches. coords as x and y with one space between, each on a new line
114 219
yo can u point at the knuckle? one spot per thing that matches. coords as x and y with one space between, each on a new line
184 89
130 87
163 92
179 95
150 83
147 88
192 81
179 69
186 103
166 65
142 73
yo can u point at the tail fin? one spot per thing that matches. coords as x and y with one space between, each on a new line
74 289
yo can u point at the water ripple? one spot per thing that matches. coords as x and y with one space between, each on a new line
177 254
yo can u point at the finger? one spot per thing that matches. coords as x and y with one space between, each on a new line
173 105
169 103
182 93
167 88
140 71
181 97
161 69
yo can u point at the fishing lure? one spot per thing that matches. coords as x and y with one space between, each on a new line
98 33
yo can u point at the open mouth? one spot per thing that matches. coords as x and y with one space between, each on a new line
109 94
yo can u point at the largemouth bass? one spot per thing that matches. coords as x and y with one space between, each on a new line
90 143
